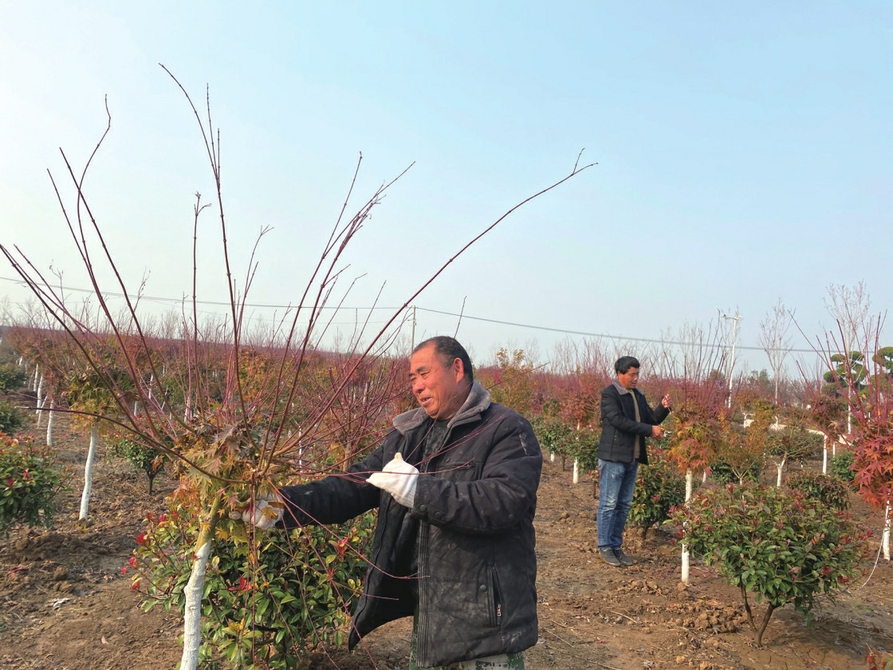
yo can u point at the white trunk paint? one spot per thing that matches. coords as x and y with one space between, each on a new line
51 419
885 538
825 456
689 487
576 472
779 468
88 474
551 456
40 400
192 614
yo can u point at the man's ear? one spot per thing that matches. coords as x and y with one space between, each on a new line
458 369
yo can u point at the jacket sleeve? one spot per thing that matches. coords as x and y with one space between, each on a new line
337 498
500 498
612 413
658 414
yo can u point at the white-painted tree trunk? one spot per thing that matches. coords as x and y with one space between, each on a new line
51 419
779 469
32 385
576 472
551 456
689 487
88 474
192 610
825 455
885 538
40 400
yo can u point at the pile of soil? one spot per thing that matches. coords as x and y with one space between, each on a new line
66 604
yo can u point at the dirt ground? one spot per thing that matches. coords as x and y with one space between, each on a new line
66 605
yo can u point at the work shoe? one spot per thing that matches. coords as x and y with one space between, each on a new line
623 558
609 557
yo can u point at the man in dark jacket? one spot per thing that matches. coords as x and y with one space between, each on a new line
627 421
455 484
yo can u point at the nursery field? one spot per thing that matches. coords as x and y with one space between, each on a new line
66 604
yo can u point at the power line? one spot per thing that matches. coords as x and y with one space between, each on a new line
562 331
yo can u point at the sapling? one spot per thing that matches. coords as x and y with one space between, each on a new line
778 545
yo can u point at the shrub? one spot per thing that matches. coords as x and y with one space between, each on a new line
584 448
30 480
264 604
554 435
659 488
841 466
721 473
148 460
777 544
11 418
12 377
829 491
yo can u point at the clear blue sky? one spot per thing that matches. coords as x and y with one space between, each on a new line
744 153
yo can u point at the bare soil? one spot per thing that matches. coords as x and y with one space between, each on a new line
65 603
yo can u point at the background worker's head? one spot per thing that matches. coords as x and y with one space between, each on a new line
627 369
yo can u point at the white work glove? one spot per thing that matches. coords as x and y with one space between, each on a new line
265 512
397 478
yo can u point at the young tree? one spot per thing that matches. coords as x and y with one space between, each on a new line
698 400
775 340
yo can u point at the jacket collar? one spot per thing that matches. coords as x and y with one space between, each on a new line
477 401
621 389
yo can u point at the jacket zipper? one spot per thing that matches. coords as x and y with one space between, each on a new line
495 600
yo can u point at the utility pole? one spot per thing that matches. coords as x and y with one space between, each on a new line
412 331
736 319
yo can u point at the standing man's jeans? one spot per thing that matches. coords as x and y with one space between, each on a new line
616 482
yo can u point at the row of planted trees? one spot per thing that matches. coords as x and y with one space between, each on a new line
265 614
780 544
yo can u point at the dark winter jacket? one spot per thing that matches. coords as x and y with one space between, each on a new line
619 425
470 529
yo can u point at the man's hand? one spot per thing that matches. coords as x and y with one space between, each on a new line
665 401
265 512
657 432
397 478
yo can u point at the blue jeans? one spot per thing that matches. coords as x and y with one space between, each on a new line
616 482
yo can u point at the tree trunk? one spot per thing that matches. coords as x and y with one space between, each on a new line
192 592
40 400
51 419
88 474
779 469
825 455
576 472
759 633
686 561
885 538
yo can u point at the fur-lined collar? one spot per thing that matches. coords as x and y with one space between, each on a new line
477 401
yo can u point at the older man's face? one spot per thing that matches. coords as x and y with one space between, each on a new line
440 390
629 379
